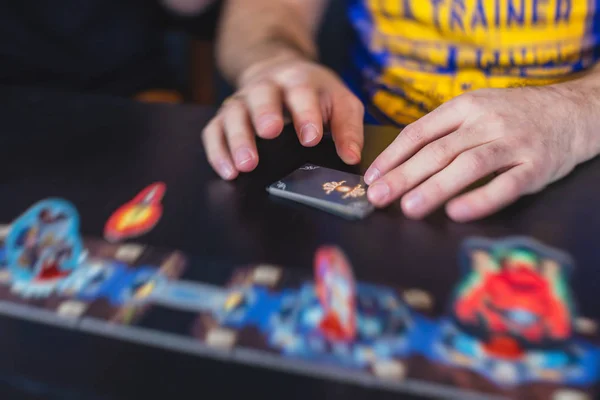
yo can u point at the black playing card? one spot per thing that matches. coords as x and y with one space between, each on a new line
338 192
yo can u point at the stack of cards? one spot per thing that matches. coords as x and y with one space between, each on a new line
340 193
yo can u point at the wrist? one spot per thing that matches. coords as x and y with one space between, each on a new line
581 107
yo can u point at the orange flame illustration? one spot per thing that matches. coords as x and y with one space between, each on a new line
138 216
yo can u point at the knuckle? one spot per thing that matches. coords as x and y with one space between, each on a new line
436 189
232 106
440 152
496 151
468 132
538 173
292 75
397 182
538 162
301 89
210 130
353 104
236 137
466 103
262 110
414 133
518 142
357 108
352 130
477 161
514 183
385 159
497 120
238 104
259 85
492 116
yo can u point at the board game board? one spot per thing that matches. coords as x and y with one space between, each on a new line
511 330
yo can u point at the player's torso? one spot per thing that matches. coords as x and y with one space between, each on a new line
418 54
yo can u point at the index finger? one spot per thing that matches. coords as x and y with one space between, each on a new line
443 120
265 106
304 104
347 113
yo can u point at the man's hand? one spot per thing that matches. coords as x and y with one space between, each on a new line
313 96
529 137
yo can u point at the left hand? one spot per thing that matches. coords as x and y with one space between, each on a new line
530 137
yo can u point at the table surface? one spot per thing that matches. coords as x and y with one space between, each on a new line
98 151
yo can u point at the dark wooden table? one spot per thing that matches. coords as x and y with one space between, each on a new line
96 152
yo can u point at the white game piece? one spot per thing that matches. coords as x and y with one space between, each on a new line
266 275
72 309
418 299
390 369
586 326
570 394
4 230
5 276
221 338
129 252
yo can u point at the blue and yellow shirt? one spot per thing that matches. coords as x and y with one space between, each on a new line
413 55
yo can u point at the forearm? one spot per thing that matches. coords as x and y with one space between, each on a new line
259 32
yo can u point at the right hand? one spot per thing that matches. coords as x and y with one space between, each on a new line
312 94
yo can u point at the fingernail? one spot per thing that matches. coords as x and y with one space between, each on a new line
378 192
242 156
372 175
413 201
308 134
226 170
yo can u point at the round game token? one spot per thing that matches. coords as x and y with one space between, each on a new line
44 243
